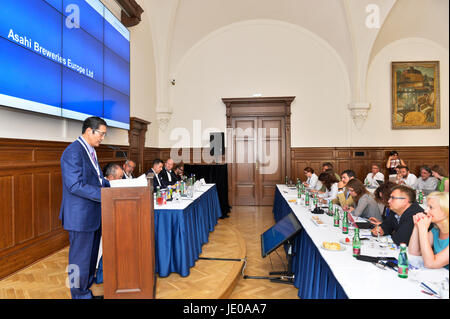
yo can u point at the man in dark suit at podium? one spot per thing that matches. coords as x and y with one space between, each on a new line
156 170
80 213
167 174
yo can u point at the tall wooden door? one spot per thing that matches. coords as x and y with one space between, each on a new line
259 161
258 147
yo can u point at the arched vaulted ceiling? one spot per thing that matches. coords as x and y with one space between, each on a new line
178 25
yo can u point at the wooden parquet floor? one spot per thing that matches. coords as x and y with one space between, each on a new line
46 278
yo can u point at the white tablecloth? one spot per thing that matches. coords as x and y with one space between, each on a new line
184 201
361 279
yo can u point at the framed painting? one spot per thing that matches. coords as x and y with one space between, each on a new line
415 95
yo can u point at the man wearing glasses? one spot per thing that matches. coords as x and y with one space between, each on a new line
128 169
399 225
80 213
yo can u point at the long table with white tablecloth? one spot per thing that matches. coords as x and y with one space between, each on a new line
324 274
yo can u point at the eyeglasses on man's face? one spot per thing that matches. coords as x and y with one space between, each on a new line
101 133
396 197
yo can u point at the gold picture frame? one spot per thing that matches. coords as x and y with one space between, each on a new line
415 95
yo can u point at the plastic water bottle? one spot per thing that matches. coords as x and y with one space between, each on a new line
403 262
159 199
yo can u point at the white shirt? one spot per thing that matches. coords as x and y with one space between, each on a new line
313 182
410 180
332 193
157 178
126 176
372 180
169 176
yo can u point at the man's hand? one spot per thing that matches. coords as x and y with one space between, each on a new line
378 230
374 221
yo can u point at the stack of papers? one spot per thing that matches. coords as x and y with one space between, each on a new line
141 181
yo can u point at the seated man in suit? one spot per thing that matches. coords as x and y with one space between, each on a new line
128 168
399 225
167 174
179 171
156 169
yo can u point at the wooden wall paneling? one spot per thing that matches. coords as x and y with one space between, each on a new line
136 139
41 202
23 208
6 212
55 198
345 158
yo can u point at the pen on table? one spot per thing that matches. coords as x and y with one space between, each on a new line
429 293
434 292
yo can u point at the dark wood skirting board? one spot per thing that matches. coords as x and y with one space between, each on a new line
30 199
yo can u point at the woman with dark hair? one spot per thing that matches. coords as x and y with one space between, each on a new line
392 163
365 205
440 174
312 181
382 194
330 185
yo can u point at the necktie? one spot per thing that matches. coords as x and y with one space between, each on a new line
93 157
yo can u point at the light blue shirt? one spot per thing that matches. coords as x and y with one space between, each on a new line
438 244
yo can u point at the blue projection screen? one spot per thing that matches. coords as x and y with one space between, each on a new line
68 58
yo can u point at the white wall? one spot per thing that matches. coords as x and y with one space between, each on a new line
377 129
269 57
143 80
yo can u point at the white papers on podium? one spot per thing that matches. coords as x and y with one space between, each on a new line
141 181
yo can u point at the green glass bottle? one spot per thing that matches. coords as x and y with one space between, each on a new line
307 199
336 217
403 262
345 223
182 187
286 180
330 207
299 193
420 197
356 243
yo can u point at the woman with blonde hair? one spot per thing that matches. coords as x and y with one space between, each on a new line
431 245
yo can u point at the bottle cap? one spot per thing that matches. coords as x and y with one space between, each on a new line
403 245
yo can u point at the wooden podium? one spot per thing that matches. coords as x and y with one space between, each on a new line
128 236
